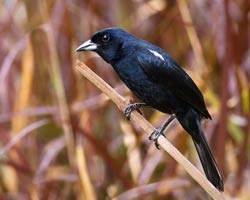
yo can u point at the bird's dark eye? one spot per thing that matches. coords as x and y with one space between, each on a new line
105 38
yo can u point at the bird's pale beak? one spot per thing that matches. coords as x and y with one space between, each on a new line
87 46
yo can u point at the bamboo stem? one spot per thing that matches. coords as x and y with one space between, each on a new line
148 128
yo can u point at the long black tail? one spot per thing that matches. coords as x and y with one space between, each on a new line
208 162
191 123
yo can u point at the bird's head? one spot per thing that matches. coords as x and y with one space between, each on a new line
107 43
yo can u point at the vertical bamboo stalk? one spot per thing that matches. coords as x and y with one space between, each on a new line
192 34
56 77
227 63
86 185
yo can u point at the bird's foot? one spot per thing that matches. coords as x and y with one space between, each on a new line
155 135
131 108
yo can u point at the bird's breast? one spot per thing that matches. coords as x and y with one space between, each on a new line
145 89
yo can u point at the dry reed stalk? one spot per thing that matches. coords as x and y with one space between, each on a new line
121 103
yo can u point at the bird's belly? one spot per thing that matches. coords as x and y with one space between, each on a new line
148 91
154 96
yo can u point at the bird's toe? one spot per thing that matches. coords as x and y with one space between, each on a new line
155 135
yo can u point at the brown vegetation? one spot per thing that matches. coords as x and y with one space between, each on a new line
62 139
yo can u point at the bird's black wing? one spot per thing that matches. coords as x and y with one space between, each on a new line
161 68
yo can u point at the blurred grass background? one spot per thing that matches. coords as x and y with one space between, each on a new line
70 142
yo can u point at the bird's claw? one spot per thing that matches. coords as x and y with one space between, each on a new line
127 112
130 109
155 135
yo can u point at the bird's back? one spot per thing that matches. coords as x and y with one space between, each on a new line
157 79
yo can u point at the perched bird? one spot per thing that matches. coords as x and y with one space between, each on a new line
159 82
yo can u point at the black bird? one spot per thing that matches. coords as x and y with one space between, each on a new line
157 80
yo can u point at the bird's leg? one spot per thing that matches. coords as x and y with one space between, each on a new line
160 131
132 107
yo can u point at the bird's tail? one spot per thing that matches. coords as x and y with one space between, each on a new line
191 123
208 162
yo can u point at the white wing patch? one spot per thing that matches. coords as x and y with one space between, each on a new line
157 54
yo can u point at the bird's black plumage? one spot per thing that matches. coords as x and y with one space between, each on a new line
157 80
